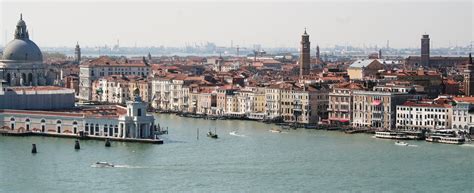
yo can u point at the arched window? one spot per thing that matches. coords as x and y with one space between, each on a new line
106 129
58 122
43 121
9 77
87 127
27 123
74 127
30 79
12 119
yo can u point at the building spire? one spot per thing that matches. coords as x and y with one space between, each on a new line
21 16
470 58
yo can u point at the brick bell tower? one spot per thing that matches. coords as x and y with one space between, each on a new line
305 55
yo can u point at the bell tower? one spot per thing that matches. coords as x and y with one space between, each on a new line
305 55
469 78
77 54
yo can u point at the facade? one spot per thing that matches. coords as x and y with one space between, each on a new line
377 108
22 60
305 60
120 89
168 93
273 102
463 114
106 66
469 78
340 103
419 116
425 50
36 98
130 122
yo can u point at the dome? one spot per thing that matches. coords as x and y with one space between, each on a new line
23 50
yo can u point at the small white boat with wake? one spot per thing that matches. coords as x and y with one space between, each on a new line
273 130
401 143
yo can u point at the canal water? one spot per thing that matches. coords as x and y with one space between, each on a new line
251 159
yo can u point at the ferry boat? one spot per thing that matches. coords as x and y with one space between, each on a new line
445 139
452 140
445 136
391 135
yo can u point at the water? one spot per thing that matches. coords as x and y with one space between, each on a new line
251 160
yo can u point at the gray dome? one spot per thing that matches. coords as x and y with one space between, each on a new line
23 50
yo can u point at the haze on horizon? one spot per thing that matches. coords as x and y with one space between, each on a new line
270 24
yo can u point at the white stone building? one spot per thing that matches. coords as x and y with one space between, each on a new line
463 114
418 116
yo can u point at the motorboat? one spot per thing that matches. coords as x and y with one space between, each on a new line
401 143
212 135
103 165
273 130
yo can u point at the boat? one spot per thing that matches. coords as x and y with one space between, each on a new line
445 139
445 136
212 135
103 165
391 135
401 143
273 130
452 140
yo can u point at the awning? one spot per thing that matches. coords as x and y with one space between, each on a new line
376 102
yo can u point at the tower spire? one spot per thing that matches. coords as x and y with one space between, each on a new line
470 58
21 16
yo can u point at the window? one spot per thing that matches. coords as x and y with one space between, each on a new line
139 112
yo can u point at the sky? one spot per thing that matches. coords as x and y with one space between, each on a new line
244 23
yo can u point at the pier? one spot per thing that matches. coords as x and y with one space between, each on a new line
16 133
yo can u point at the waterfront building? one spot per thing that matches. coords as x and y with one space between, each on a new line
273 102
463 114
424 115
305 58
364 69
110 121
22 61
340 103
469 78
168 93
105 66
377 108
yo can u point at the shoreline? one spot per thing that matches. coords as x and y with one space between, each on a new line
99 138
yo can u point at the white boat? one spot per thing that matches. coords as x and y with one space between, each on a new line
391 135
103 165
452 140
401 143
275 130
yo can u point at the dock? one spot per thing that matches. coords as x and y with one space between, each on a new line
85 137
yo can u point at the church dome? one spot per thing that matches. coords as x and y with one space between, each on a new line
22 48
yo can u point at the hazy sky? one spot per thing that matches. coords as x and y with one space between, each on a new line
271 24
